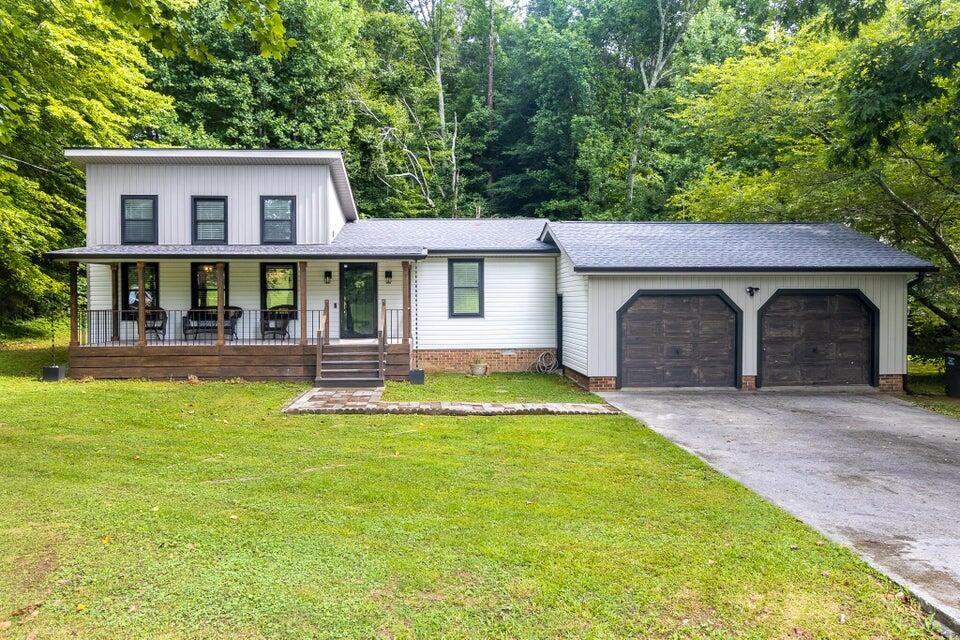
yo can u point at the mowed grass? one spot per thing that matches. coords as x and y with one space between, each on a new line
926 384
134 509
496 387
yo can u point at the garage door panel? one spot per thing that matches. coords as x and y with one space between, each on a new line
674 341
816 338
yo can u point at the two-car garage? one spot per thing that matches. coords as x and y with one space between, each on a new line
731 305
693 338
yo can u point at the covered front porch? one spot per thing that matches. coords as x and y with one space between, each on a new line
264 318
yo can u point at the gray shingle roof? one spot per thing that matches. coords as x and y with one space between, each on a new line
237 251
652 246
446 235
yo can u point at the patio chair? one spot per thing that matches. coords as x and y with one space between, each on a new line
275 322
156 323
199 322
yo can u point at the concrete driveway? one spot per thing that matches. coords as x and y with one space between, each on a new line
869 471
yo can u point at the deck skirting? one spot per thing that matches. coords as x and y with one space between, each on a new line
291 362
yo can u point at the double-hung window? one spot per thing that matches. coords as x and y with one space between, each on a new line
138 224
278 220
130 286
278 285
203 285
465 284
209 220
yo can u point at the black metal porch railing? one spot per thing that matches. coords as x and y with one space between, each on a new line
197 326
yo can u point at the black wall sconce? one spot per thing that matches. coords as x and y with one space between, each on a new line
388 276
327 277
752 290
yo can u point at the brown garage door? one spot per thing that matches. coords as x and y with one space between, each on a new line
816 338
678 341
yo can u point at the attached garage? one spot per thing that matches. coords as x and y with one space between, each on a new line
820 337
664 304
678 339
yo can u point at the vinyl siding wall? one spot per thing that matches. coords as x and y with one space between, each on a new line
244 291
519 305
319 215
607 293
574 289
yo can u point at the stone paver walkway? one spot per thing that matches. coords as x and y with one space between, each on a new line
367 401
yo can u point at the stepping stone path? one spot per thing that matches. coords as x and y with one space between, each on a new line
367 401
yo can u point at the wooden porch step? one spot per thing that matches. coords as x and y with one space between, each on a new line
340 365
363 372
348 382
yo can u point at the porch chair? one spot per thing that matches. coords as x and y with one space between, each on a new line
155 322
204 321
275 322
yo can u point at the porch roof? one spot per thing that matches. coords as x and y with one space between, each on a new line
113 252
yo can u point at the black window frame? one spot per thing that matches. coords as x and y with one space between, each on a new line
123 219
293 219
194 289
263 282
125 268
450 288
193 219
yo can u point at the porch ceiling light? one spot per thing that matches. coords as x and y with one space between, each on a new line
327 277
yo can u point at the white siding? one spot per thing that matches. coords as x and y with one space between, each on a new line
887 291
244 291
574 289
333 212
175 184
519 300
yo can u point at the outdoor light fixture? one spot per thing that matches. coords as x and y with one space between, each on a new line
327 277
388 276
752 290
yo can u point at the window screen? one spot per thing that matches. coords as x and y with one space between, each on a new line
209 220
278 222
139 219
466 288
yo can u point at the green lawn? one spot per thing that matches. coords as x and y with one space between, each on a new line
497 387
133 509
926 388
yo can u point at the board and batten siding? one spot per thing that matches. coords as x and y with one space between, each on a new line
174 185
608 293
244 291
519 300
574 289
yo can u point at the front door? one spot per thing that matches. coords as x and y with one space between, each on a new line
358 300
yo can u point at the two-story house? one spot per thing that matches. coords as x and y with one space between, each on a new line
255 264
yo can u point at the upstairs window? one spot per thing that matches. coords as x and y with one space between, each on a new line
278 285
203 285
278 220
465 283
130 286
209 220
138 219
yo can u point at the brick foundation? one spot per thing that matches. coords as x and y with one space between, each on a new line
596 383
891 383
748 383
459 360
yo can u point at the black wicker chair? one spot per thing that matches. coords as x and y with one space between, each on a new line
275 322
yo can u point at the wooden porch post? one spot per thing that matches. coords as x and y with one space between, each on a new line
74 329
326 322
115 301
141 306
406 302
303 302
220 304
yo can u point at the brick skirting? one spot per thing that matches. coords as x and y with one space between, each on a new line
459 360
596 383
748 383
891 383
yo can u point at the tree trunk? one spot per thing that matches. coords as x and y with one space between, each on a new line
441 107
490 60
